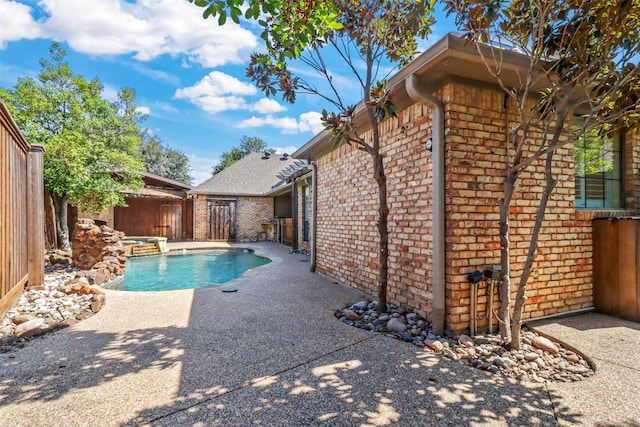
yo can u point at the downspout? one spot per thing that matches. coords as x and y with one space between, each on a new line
294 216
314 199
438 258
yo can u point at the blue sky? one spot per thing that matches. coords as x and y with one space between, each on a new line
189 74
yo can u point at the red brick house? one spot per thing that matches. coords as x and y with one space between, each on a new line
243 201
443 220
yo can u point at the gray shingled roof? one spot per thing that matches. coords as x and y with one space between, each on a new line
253 175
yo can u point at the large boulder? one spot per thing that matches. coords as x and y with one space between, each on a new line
97 252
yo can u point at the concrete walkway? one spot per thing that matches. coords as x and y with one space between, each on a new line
612 396
273 354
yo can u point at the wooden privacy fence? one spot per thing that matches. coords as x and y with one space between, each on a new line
170 218
21 212
616 267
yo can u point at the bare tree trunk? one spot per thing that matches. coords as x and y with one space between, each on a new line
383 214
504 313
516 323
60 204
50 232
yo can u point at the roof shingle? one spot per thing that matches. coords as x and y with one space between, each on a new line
253 175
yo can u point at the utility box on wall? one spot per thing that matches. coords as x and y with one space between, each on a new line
616 267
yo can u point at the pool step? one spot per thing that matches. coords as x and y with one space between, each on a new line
145 249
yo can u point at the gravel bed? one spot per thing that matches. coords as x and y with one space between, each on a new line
39 311
538 359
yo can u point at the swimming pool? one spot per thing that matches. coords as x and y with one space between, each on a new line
187 270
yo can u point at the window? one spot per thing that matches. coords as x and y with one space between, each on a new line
599 171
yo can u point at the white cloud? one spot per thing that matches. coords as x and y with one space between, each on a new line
201 168
218 92
288 149
145 28
311 121
143 110
267 105
110 93
286 124
308 122
16 23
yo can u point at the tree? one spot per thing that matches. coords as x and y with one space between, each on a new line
90 142
581 54
371 32
248 144
163 160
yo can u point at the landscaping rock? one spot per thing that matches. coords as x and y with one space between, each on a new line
450 354
79 285
60 258
434 345
466 341
98 252
362 305
545 344
97 303
351 315
485 352
39 311
396 325
23 318
25 328
573 358
530 357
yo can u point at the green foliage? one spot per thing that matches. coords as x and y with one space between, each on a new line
90 142
593 154
589 50
288 26
247 145
364 34
163 160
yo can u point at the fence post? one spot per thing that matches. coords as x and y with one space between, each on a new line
35 216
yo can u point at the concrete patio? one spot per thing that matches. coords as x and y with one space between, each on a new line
274 354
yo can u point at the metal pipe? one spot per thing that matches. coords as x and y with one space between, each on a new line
473 308
490 305
438 259
314 199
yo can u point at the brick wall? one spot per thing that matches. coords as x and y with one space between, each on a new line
251 213
347 237
632 163
201 217
476 155
476 127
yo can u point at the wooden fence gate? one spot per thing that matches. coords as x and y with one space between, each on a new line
287 231
171 221
222 222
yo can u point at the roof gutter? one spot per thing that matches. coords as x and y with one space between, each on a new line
438 258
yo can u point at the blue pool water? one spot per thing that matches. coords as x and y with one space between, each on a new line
187 271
